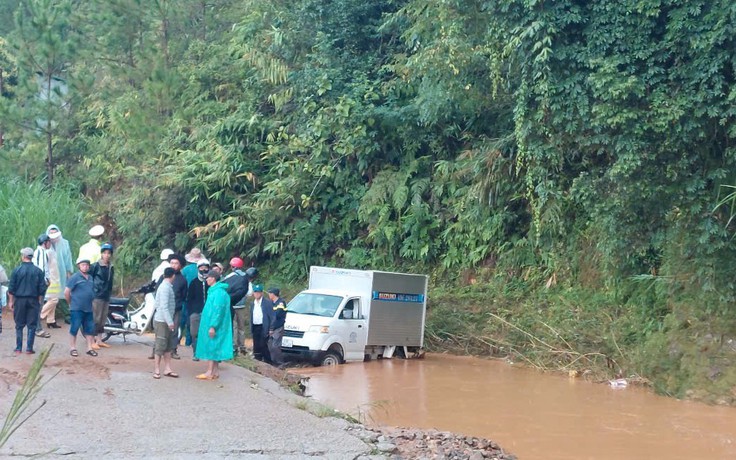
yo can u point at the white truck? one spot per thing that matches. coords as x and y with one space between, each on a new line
355 315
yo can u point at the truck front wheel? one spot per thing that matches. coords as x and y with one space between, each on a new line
330 358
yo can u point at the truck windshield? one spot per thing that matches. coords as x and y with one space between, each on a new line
315 304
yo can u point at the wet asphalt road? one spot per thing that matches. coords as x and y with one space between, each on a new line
111 406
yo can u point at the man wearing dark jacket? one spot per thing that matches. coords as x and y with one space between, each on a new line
25 292
102 273
196 298
261 309
276 326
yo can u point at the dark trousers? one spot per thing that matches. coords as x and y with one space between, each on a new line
274 346
26 311
260 344
194 320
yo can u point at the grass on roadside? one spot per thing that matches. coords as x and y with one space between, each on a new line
27 209
20 412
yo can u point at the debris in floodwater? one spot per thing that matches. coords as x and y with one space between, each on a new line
618 383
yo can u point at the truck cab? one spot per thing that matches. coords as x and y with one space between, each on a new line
325 327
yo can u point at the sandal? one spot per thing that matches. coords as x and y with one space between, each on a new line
91 352
172 375
204 377
156 376
74 353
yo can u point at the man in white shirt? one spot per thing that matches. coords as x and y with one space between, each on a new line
41 260
260 315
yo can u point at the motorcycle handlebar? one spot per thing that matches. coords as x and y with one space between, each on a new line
146 288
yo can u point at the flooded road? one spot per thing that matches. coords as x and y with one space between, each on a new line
533 415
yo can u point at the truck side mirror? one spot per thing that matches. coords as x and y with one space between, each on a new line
347 314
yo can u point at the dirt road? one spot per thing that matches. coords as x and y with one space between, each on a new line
111 405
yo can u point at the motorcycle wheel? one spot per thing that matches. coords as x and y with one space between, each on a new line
107 336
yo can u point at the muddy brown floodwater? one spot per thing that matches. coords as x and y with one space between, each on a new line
533 415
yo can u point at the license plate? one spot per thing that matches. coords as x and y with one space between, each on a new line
288 343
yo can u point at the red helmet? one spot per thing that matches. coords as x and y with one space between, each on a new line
236 262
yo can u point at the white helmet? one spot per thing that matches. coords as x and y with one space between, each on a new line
166 253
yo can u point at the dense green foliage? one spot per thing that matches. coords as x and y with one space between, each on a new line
575 155
28 208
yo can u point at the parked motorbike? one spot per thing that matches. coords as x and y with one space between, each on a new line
130 315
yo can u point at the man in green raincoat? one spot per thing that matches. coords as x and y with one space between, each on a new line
215 342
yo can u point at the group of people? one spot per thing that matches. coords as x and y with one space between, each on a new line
210 308
34 289
192 295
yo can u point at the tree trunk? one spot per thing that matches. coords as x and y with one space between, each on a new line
203 26
49 144
50 158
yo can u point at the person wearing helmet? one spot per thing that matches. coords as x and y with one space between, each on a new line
159 271
91 249
252 273
79 294
102 273
239 288
41 260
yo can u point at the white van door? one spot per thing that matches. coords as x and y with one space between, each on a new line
352 327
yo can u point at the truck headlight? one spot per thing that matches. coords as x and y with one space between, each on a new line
319 329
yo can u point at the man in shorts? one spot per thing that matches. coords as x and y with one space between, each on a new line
164 324
79 293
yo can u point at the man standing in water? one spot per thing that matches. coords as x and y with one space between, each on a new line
25 292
